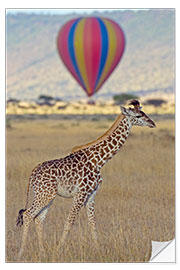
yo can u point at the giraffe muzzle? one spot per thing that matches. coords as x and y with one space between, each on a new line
152 124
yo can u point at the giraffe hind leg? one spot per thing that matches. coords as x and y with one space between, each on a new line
31 214
39 226
26 219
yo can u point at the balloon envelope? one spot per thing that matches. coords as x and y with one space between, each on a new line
91 48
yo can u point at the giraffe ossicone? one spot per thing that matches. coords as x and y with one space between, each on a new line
77 175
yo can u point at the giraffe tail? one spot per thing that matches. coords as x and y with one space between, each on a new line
19 221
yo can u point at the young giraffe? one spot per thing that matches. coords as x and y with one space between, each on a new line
77 175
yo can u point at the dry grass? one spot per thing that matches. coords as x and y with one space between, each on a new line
134 205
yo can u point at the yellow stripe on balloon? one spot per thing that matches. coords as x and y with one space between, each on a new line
112 44
79 52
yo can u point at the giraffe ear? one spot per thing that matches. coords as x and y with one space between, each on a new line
123 110
126 111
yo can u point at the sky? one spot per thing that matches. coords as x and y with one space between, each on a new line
59 11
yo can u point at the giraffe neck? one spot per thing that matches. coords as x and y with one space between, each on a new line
103 151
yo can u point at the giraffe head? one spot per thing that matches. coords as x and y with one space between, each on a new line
136 116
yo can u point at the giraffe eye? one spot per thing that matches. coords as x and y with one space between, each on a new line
139 116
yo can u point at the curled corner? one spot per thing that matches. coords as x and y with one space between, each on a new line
163 251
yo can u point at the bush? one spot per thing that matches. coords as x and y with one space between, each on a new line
44 97
155 102
91 102
122 98
13 100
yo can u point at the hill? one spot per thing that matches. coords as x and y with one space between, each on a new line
34 66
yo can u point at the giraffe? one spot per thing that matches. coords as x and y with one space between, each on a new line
77 176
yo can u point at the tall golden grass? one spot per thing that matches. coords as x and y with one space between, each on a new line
134 205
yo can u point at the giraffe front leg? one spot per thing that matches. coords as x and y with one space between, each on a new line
78 202
91 217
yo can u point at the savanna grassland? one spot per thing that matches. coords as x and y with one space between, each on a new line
134 205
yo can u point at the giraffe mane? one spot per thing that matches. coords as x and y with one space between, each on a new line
102 137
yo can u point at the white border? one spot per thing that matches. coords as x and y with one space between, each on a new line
73 4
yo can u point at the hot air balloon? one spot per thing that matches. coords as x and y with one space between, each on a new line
91 48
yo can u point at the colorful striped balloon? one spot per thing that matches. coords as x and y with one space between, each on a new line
91 48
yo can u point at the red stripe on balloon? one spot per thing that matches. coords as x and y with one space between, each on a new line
92 51
120 45
62 44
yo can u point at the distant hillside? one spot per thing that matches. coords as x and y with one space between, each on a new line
34 66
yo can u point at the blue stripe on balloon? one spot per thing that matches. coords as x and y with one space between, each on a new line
71 49
104 50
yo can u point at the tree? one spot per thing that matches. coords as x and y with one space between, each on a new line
122 98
